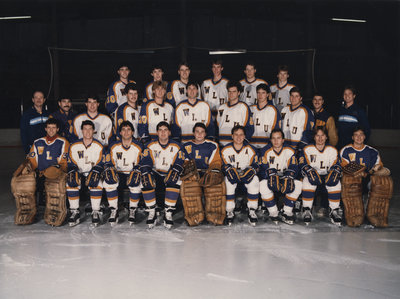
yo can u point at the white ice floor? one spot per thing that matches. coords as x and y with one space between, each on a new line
268 261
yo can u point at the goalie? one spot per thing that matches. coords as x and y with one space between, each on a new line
203 170
48 157
362 161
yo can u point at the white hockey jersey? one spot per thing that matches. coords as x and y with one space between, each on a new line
85 157
297 124
281 161
102 127
249 93
265 120
124 158
178 89
245 157
321 161
281 95
214 93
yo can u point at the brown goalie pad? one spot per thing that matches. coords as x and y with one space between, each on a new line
191 199
379 197
23 187
215 203
352 200
56 208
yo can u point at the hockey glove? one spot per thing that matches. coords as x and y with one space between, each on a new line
248 175
73 178
273 179
134 177
334 175
173 175
111 176
147 178
231 173
312 175
94 176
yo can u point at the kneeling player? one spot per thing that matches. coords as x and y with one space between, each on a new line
320 164
49 156
121 170
161 167
381 184
278 171
240 166
85 165
208 163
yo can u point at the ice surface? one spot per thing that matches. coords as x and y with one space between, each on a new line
268 261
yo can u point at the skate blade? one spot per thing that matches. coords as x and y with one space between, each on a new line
253 224
307 223
275 222
113 224
131 223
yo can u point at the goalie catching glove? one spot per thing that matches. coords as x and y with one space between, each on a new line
212 177
354 169
94 176
312 175
190 171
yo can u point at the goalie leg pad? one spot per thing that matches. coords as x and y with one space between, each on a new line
56 208
23 188
215 203
191 199
352 200
379 197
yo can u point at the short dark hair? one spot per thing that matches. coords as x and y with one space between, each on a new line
52 121
250 63
130 86
192 83
238 127
87 123
359 128
234 84
92 96
123 65
320 128
318 94
38 90
163 124
217 62
156 67
199 125
283 68
185 63
264 87
277 130
126 123
295 89
64 98
351 88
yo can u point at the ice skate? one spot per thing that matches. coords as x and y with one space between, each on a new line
307 216
168 222
336 216
151 218
229 218
74 219
252 217
297 206
286 218
95 218
113 219
132 216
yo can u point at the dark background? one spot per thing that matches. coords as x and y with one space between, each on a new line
142 33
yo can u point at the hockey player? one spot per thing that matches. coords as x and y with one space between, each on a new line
214 90
128 111
266 117
65 115
232 114
102 123
240 166
278 171
208 161
161 167
84 168
324 119
189 112
351 116
297 121
157 74
154 111
178 87
116 91
121 170
320 165
281 90
33 121
250 83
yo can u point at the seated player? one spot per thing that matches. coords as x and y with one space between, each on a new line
266 118
207 175
234 113
381 184
189 112
320 165
49 156
240 166
85 167
121 170
154 112
161 167
102 123
128 111
278 171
